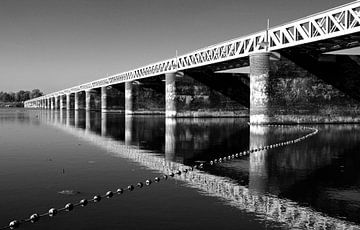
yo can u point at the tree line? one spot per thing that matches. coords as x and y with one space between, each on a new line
19 96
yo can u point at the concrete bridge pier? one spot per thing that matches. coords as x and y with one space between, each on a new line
128 98
79 100
170 94
92 100
47 103
260 103
103 99
296 87
52 103
67 101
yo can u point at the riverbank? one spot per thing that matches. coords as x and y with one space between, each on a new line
11 104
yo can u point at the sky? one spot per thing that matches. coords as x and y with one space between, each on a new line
55 44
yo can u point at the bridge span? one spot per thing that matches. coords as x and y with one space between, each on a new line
292 77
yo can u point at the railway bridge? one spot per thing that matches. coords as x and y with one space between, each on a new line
294 77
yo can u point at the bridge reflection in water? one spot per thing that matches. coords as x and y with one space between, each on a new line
181 142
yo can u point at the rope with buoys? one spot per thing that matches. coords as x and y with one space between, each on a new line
119 191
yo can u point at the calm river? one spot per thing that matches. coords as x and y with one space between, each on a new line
48 159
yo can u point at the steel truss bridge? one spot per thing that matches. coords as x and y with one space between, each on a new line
330 30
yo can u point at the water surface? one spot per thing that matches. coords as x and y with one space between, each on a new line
311 184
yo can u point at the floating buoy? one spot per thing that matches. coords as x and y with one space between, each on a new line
69 207
120 191
52 212
130 187
109 194
148 182
156 179
83 202
97 198
140 185
14 224
34 217
165 177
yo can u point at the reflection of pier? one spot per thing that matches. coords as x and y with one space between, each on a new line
270 207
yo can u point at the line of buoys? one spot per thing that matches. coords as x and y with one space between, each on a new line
109 194
271 146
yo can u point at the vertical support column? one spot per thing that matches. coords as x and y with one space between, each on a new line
128 98
67 101
103 99
88 100
56 104
259 88
52 103
77 101
170 95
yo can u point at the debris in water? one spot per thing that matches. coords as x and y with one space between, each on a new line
69 192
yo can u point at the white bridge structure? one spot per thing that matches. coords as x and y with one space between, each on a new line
330 30
271 208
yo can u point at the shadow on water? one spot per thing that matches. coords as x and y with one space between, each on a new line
311 184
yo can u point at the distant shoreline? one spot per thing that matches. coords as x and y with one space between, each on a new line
11 104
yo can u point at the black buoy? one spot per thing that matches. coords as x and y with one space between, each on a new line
140 184
109 194
83 202
97 198
14 224
34 217
52 212
69 207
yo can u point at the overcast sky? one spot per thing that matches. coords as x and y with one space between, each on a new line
56 44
